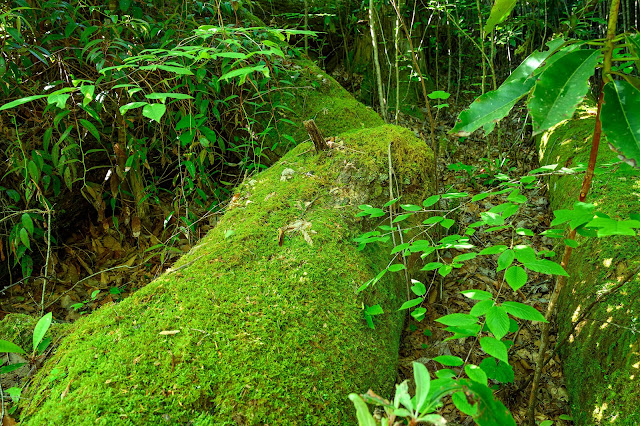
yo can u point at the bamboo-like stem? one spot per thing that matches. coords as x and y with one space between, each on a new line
376 62
432 123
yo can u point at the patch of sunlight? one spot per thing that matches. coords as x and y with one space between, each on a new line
607 262
576 314
609 308
636 365
606 324
613 418
598 412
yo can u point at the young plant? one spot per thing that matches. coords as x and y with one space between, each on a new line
40 344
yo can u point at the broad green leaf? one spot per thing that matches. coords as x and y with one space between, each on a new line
433 219
560 88
449 360
447 223
41 329
362 411
164 96
24 237
499 12
481 308
581 214
522 311
621 119
491 412
21 101
410 207
546 267
431 266
423 384
397 267
411 303
524 253
431 201
476 373
533 62
402 217
495 348
374 310
477 294
59 100
27 222
505 260
418 288
10 347
458 319
491 107
493 250
131 105
419 313
91 128
607 227
497 370
498 321
154 111
460 401
516 277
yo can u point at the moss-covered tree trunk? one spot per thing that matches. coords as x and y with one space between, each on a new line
602 356
260 323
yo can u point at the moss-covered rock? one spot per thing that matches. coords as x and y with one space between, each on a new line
260 323
602 357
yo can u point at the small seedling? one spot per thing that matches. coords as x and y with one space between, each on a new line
40 344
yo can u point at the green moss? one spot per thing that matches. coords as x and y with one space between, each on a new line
18 329
602 360
267 333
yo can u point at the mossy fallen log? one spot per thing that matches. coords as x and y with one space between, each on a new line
259 323
601 358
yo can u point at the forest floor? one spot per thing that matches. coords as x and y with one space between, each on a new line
99 264
470 165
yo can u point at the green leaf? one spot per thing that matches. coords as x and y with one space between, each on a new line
505 260
402 217
419 313
560 88
581 214
34 172
164 96
431 201
546 267
131 105
458 319
491 107
477 294
60 100
41 329
24 237
491 412
374 310
154 111
497 370
571 243
418 288
522 311
423 385
410 207
447 223
449 360
498 321
27 222
476 373
621 121
21 101
524 253
91 128
433 219
493 250
411 303
516 277
362 411
10 347
431 266
460 401
499 12
397 267
495 348
607 226
481 308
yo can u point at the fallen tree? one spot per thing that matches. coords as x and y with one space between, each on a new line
260 322
596 326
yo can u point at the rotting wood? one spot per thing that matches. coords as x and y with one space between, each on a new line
315 135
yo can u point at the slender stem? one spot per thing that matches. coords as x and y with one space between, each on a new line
376 62
432 123
586 185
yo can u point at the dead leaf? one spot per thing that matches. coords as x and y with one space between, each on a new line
169 332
